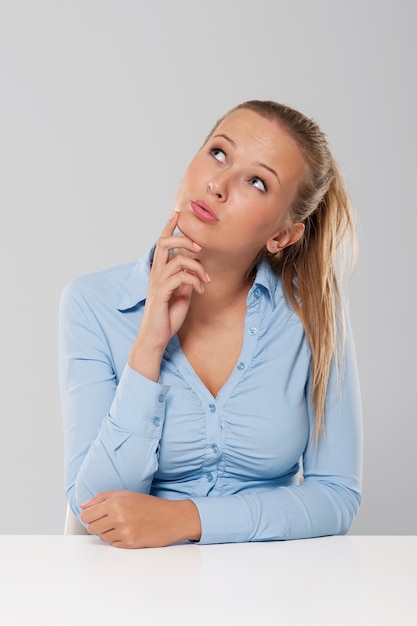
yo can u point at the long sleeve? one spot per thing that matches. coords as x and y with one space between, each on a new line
325 503
236 456
112 427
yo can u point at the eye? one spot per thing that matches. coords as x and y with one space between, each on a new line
218 154
258 183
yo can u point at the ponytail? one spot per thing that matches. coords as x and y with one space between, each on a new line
310 283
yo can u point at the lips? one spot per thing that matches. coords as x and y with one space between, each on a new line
203 211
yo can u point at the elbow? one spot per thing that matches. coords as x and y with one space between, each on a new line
346 504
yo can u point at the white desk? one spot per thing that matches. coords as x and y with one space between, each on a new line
54 580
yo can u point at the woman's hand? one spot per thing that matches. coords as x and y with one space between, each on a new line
172 280
127 519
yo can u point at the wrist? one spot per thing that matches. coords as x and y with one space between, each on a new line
146 361
189 521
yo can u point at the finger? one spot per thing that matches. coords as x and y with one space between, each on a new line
166 245
101 526
182 263
94 513
117 540
167 234
168 242
110 536
92 502
99 497
180 279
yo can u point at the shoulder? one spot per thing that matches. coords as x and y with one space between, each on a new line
108 284
120 287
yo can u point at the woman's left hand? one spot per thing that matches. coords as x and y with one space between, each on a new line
127 519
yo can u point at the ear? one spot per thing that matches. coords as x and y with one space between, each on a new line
285 238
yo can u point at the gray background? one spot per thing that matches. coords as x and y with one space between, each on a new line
103 103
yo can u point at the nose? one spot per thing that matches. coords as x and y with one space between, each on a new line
218 189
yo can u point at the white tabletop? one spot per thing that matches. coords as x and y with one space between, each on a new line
335 580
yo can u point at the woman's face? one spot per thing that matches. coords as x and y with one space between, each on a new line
235 193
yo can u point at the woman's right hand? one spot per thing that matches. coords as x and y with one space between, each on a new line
172 280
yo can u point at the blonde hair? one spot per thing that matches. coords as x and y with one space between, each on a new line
308 267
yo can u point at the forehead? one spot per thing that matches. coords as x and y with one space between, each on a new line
262 139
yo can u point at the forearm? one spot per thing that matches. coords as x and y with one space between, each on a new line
146 359
173 279
124 453
312 509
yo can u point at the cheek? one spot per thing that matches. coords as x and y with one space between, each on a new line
183 191
264 220
190 175
178 196
194 168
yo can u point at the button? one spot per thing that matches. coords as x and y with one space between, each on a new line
253 330
257 293
212 408
214 448
161 397
209 477
240 366
156 421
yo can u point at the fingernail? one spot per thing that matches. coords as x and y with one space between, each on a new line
196 246
173 214
208 278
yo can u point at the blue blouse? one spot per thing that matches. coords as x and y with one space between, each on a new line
237 456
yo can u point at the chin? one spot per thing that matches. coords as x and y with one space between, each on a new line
184 225
191 227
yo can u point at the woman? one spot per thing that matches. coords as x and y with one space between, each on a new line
196 382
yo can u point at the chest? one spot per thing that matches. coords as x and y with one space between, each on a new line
256 426
213 350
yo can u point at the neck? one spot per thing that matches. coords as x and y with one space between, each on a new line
228 288
231 279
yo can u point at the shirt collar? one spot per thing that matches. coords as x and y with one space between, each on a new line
137 283
268 280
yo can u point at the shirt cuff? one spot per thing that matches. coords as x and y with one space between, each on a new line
224 519
139 404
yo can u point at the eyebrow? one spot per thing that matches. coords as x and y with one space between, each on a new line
227 139
258 163
269 169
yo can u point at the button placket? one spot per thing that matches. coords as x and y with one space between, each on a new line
252 329
212 455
